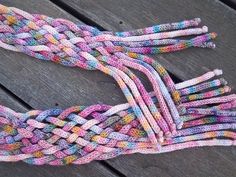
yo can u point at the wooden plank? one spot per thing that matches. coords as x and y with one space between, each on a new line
45 84
42 85
21 88
126 15
22 169
9 101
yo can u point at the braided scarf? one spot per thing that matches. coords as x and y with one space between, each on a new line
173 116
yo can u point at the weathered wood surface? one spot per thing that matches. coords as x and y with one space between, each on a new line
22 169
126 15
43 84
10 101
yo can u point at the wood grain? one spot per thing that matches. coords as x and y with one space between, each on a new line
126 15
43 85
19 169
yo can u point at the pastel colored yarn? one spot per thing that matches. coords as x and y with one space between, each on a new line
197 112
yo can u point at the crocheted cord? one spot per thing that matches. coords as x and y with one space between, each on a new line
171 117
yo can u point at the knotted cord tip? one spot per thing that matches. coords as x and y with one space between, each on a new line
213 35
180 125
213 46
205 29
198 20
210 45
161 140
227 89
218 72
168 134
160 136
182 110
173 129
223 81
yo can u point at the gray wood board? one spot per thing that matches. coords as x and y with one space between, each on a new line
10 101
142 13
126 15
18 169
36 83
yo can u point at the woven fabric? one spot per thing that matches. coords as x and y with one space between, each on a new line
196 112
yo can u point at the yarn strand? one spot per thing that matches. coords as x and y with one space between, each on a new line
172 116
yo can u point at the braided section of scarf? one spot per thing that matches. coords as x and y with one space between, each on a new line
194 113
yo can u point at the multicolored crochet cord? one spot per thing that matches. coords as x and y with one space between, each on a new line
193 113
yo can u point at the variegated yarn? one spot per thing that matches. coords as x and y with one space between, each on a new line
197 112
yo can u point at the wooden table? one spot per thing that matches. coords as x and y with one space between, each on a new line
28 83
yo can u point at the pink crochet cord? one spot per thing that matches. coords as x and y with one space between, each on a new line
197 112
